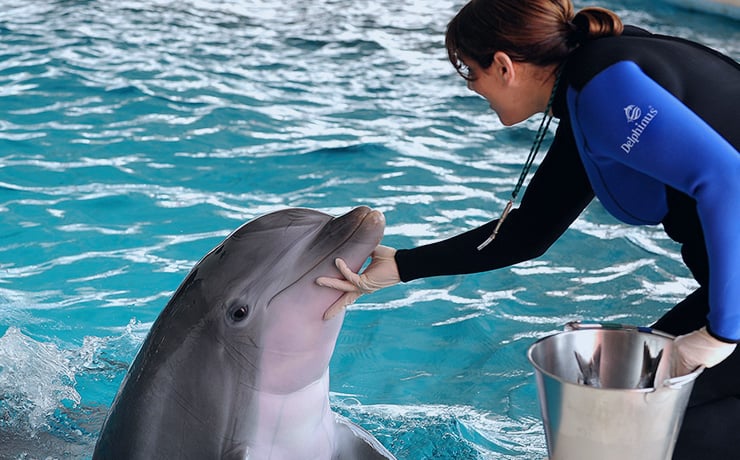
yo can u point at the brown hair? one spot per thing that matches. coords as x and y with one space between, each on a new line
538 31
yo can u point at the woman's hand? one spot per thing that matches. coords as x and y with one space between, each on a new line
698 348
382 272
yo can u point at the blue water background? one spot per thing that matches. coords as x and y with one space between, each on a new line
135 135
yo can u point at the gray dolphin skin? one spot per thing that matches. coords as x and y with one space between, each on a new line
236 366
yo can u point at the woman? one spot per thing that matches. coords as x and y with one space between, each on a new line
648 125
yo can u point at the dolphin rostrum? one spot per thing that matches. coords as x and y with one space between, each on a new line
236 366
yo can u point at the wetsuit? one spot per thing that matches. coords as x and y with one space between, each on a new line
648 124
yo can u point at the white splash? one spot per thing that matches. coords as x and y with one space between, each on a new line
36 378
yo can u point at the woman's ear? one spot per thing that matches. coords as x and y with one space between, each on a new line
503 66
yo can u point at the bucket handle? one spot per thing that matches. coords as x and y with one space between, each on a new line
578 326
675 383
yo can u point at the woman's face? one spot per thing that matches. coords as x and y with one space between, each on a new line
506 85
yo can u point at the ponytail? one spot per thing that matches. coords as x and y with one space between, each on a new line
592 23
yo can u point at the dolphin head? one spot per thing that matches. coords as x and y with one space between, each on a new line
255 294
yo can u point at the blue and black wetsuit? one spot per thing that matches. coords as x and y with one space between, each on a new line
648 124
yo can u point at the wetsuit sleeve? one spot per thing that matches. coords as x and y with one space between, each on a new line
667 141
556 195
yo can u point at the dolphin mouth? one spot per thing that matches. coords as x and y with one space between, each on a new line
366 214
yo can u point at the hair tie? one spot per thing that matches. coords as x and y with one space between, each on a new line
576 35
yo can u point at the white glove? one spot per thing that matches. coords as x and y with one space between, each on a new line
382 272
698 348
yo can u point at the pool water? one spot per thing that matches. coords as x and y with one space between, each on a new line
136 134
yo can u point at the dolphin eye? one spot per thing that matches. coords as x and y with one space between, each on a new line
240 313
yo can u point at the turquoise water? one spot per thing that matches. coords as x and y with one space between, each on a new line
135 135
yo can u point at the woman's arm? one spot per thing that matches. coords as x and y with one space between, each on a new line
672 144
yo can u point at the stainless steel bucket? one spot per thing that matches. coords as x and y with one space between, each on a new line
606 393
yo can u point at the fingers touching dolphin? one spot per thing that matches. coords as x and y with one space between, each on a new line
237 364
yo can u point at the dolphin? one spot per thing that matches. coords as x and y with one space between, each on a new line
236 366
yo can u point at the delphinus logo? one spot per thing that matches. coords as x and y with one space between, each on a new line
633 114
